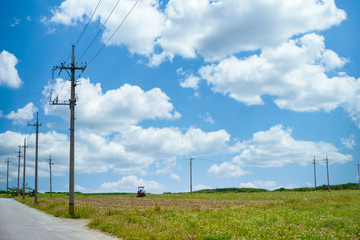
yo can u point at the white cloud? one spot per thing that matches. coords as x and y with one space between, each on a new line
207 118
15 22
212 29
130 184
167 143
22 114
297 74
349 142
79 188
131 151
276 147
113 110
227 170
269 185
8 73
215 29
201 187
293 72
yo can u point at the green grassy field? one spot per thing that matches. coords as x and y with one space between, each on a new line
257 215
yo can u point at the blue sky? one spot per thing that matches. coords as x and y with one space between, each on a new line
253 90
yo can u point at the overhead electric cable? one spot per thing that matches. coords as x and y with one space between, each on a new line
92 41
114 32
77 42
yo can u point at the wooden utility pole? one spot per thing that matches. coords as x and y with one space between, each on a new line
36 154
23 193
50 163
18 181
314 162
71 103
358 176
7 176
191 174
327 169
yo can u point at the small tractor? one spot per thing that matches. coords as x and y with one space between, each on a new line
141 192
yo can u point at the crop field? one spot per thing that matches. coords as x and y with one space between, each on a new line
262 215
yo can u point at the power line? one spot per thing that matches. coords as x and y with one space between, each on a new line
114 32
92 41
77 42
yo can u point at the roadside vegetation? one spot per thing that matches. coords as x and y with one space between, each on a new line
220 214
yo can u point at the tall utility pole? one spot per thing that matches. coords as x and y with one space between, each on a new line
314 162
23 193
7 176
358 165
19 156
50 163
36 154
327 169
191 174
71 103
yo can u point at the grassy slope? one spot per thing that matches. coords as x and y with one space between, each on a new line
260 215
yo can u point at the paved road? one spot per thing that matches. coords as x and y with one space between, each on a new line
20 222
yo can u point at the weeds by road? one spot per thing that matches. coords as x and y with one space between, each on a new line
264 215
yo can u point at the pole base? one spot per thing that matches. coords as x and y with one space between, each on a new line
71 209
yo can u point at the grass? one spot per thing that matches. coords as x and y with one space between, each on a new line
258 215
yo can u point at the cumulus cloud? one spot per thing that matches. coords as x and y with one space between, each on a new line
275 148
131 151
300 74
294 72
269 185
22 114
215 29
349 142
8 74
212 29
115 109
227 170
130 184
201 187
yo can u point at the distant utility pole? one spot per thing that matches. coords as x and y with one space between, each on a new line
71 103
36 154
191 174
50 163
314 162
19 156
7 176
327 169
23 193
358 176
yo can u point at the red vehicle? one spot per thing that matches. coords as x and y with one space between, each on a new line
141 191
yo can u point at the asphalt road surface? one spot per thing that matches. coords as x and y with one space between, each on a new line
20 222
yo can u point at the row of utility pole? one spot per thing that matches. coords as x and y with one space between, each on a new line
326 160
36 125
327 170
